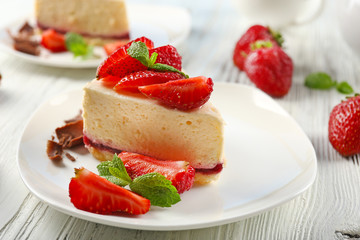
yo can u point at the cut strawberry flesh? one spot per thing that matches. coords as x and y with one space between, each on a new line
53 41
180 173
183 94
132 81
92 193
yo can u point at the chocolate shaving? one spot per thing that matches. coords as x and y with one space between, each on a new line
70 157
71 134
54 151
23 41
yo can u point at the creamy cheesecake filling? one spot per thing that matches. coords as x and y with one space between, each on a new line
101 147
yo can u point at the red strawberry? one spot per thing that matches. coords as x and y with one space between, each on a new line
344 126
110 81
132 81
53 41
121 64
183 94
180 173
270 69
92 193
113 46
254 33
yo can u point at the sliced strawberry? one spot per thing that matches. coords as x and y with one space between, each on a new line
132 81
113 46
168 55
92 193
53 41
180 173
183 94
119 63
110 81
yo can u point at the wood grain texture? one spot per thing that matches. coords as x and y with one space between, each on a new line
328 210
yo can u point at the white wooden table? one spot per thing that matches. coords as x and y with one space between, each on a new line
330 209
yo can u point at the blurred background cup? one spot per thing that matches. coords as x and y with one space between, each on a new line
349 18
279 13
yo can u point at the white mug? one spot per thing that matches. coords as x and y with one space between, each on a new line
349 17
279 13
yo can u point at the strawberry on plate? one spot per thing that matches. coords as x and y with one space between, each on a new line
183 94
269 68
92 193
132 81
253 34
344 126
53 41
180 173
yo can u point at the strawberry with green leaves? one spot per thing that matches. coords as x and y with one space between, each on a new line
269 68
253 34
344 126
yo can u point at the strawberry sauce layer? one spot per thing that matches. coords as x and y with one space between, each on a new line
125 35
217 169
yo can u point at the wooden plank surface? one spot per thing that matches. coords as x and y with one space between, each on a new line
328 210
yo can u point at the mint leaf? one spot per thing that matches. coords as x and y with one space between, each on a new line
319 80
156 188
76 44
344 87
114 171
139 51
163 68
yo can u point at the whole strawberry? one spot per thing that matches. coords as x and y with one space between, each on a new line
269 68
344 126
253 34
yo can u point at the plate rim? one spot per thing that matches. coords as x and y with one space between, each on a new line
311 166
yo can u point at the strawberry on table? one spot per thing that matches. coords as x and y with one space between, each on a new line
180 173
183 94
269 68
93 193
132 81
344 126
253 34
53 41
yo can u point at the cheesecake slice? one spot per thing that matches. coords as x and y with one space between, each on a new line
97 20
115 122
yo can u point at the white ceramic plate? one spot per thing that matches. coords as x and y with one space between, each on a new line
162 24
269 161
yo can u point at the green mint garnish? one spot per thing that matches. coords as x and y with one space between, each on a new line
323 81
139 51
152 186
344 87
76 44
156 188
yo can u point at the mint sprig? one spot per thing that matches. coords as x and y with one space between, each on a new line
76 44
152 186
139 51
323 81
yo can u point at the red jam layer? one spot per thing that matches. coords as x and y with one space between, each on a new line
217 169
112 36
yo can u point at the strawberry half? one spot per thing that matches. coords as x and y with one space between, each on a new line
132 81
53 41
180 173
344 125
183 94
113 46
92 193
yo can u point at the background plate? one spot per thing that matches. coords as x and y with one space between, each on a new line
162 24
269 161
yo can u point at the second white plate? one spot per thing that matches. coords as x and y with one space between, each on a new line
269 161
